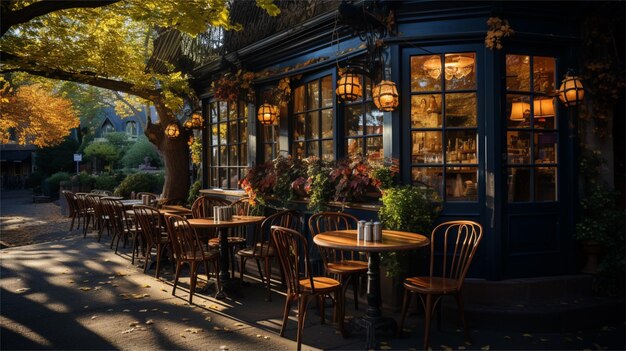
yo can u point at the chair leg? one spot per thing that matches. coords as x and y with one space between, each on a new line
148 258
268 276
355 284
288 300
459 302
216 267
194 278
322 308
72 224
242 267
160 249
405 306
304 299
428 311
340 311
178 265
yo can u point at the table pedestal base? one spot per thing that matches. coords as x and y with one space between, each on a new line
371 326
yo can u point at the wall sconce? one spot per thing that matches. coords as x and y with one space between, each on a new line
172 130
194 121
268 114
519 111
349 87
571 92
385 96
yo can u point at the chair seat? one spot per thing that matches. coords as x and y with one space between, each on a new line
232 240
347 267
322 284
261 250
209 255
431 285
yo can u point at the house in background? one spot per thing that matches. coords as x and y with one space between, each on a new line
16 164
133 126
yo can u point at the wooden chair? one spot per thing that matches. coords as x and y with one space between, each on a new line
86 212
262 246
154 234
101 219
203 206
343 265
459 241
72 207
188 249
292 246
121 225
153 197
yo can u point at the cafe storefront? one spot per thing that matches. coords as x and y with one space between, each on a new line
478 123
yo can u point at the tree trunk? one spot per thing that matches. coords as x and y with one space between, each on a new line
175 152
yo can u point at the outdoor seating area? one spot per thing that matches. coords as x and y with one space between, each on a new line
194 238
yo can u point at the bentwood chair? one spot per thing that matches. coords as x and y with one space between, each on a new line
154 234
262 247
121 225
343 265
203 206
72 206
188 249
101 219
85 210
452 248
152 197
291 247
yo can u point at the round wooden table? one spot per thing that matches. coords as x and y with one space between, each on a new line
222 230
392 241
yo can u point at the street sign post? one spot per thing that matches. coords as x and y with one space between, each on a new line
78 158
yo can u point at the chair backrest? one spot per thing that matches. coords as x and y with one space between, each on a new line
292 246
93 200
117 214
203 206
81 200
72 203
457 241
153 197
149 221
101 192
242 207
187 246
329 221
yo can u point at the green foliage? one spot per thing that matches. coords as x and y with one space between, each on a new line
59 158
137 153
51 184
35 180
287 170
102 150
139 182
409 208
194 191
321 187
83 179
119 140
106 182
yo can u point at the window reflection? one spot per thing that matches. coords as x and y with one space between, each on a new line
364 126
313 107
227 143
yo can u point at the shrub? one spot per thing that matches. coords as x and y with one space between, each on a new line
57 158
137 153
103 151
51 184
139 182
35 180
194 191
106 182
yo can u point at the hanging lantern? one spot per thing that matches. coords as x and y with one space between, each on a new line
519 111
385 95
190 141
349 87
571 92
172 131
194 121
268 114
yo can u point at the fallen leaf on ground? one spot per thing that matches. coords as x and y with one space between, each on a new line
85 306
543 339
126 310
149 322
164 290
145 295
266 337
184 319
120 274
445 347
238 324
217 328
133 324
166 312
110 310
154 309
208 319
128 331
94 317
86 281
22 290
114 285
527 335
223 347
226 329
485 348
386 347
193 330
182 335
146 286
258 335
143 311
70 282
85 288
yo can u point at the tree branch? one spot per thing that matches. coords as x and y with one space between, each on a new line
9 19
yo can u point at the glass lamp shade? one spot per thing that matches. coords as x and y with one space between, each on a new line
456 66
385 96
571 92
268 114
194 121
349 87
519 111
172 130
543 107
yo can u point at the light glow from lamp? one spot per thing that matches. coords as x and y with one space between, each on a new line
456 66
543 108
519 111
385 95
268 114
571 92
172 131
349 87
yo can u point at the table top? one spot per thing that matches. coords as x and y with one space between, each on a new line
235 222
393 240
175 209
131 203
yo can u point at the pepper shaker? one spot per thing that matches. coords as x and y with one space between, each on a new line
367 233
377 232
360 229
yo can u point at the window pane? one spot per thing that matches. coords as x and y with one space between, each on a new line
232 132
312 125
518 182
518 72
545 184
243 131
298 150
354 120
232 158
223 110
461 184
431 176
243 154
461 110
327 92
427 147
268 134
426 111
461 146
328 150
355 146
459 71
518 147
214 156
313 148
223 178
373 120
546 147
374 148
213 112
234 177
518 111
298 130
544 72
426 73
367 87
232 110
543 112
327 123
313 92
223 156
298 99
268 151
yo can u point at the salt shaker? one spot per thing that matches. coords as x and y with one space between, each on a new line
360 228
377 232
367 233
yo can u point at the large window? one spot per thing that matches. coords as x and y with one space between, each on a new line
444 149
131 129
313 115
228 149
532 135
364 126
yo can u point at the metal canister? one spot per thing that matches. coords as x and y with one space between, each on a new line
360 229
216 214
377 232
367 233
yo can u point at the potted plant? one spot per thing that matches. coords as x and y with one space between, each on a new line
287 170
259 182
319 184
352 179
